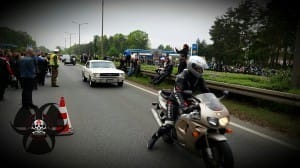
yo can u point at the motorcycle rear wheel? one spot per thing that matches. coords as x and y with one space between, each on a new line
222 156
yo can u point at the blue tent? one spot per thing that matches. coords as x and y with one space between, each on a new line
127 52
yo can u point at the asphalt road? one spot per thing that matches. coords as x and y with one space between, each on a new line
112 126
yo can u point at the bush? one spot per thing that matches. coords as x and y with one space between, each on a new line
281 80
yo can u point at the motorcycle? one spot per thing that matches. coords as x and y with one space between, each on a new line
202 129
73 60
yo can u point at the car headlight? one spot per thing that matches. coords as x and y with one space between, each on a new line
122 74
213 121
223 121
96 74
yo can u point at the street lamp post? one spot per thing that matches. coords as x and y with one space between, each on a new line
79 24
65 42
70 34
102 52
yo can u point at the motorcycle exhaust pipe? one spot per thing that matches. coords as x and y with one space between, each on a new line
156 117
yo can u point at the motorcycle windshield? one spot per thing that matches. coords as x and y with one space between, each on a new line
211 101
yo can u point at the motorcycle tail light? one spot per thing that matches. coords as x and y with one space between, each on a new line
228 130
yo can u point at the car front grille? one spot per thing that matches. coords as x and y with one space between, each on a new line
109 74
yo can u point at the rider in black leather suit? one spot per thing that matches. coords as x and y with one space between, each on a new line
190 79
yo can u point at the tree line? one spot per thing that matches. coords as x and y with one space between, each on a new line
18 40
112 45
254 33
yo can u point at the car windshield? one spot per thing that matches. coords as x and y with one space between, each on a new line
211 101
102 65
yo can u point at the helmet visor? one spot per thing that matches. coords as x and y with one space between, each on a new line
197 68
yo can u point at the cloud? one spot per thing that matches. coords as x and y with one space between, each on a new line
167 21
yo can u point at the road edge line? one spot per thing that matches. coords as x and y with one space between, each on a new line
233 124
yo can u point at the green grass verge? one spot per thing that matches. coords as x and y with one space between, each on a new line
145 81
261 116
242 79
264 117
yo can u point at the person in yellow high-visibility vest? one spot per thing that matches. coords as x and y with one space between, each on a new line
53 62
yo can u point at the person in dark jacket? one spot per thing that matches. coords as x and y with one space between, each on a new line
183 58
167 71
122 65
28 74
14 64
189 79
43 67
128 59
137 69
5 74
133 67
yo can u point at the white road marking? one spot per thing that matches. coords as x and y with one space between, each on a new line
145 90
231 123
264 136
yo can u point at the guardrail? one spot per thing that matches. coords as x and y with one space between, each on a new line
265 94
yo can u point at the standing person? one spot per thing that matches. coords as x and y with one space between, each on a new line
5 73
122 65
127 58
54 67
9 57
37 71
28 74
137 68
48 60
43 66
132 67
14 63
183 58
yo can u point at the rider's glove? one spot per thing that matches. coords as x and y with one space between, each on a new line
183 109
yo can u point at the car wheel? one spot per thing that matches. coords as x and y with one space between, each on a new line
91 83
120 84
83 78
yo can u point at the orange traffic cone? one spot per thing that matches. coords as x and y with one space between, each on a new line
67 128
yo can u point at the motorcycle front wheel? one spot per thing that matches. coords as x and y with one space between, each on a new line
222 156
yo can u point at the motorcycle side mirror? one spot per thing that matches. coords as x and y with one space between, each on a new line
188 92
225 94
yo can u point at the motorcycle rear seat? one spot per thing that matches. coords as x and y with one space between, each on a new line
165 93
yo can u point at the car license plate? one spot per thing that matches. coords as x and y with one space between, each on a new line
109 80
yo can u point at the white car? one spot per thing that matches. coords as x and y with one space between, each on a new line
101 71
69 59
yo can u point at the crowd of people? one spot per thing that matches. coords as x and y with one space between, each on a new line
27 70
245 69
166 68
132 65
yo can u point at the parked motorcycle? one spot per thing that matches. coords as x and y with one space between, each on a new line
202 129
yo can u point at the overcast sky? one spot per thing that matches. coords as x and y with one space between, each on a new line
172 22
